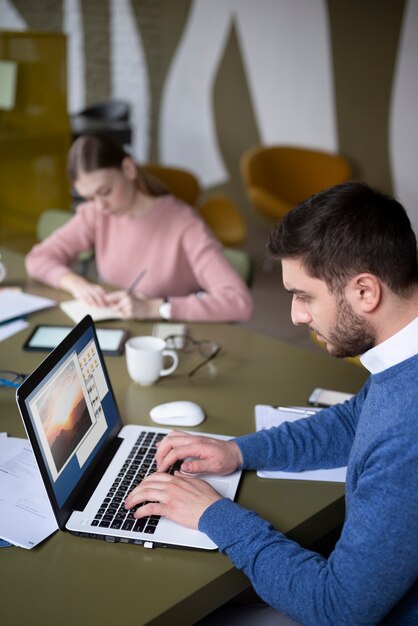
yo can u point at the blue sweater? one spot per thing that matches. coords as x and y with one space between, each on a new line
371 577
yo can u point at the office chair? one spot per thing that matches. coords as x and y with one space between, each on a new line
242 263
111 117
181 183
277 178
49 221
117 110
224 218
218 211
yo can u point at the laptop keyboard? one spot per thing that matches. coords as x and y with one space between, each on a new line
139 463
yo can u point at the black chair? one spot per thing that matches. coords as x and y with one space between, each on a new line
111 117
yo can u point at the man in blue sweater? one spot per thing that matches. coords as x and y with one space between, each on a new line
349 257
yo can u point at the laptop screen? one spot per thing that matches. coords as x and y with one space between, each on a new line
71 408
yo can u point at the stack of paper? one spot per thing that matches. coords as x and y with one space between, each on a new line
268 416
14 304
11 328
26 516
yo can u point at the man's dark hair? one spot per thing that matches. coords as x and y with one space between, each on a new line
348 229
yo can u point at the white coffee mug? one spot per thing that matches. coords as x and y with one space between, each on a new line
145 359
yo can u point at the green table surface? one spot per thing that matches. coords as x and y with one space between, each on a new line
69 580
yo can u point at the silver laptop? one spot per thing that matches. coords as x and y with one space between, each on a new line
89 462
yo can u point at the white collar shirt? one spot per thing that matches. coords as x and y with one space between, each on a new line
401 346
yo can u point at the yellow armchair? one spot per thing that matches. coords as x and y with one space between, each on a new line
277 178
224 218
218 210
181 183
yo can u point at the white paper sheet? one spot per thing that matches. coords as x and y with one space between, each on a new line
26 516
15 304
268 416
11 328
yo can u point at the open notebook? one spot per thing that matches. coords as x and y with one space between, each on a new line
76 310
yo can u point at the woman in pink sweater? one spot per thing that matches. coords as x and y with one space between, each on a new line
133 224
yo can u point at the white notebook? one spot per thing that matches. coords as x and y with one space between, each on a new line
268 416
77 310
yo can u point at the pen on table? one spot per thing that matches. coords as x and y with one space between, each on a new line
293 409
136 281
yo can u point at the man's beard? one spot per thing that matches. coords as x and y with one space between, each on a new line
352 335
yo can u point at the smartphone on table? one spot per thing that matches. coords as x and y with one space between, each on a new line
327 397
167 329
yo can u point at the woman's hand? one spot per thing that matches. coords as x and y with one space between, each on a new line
132 307
84 290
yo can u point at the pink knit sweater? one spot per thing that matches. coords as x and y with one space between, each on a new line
181 256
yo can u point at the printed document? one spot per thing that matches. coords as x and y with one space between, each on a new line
26 516
15 304
11 328
268 416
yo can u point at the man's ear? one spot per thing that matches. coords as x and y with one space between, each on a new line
129 168
364 292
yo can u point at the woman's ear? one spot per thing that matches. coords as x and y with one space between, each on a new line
365 292
129 168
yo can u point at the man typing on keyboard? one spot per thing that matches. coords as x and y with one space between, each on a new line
349 259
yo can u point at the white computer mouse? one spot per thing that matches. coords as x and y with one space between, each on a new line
180 413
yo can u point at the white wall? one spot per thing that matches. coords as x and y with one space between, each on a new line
289 73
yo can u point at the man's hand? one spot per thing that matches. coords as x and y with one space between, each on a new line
202 454
182 499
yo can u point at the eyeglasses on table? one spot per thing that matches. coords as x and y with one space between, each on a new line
184 343
10 379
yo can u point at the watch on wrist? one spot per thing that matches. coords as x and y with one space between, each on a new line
165 310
